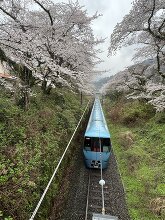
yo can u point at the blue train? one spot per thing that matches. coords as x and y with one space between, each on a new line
97 142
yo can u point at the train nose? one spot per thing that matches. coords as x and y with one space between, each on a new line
95 164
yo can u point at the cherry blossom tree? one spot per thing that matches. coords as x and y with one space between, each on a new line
54 42
144 25
139 81
143 85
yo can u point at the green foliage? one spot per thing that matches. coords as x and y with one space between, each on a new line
142 163
7 110
160 118
115 95
31 144
135 157
137 112
8 218
160 189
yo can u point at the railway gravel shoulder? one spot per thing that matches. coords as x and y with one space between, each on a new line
76 196
117 200
75 205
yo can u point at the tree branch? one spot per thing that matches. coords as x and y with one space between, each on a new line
149 25
152 14
47 11
161 26
14 18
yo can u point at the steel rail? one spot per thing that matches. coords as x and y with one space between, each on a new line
102 185
87 203
56 169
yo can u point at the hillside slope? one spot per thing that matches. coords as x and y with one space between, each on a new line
146 68
31 143
139 145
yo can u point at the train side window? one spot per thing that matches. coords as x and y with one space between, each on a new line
87 143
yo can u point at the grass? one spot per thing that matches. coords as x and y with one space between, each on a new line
141 162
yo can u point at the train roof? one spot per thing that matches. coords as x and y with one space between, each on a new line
97 126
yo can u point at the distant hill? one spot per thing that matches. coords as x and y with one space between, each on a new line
144 69
99 83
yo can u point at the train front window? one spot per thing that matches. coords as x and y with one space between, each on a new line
87 143
93 144
106 144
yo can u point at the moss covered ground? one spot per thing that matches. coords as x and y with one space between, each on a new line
138 138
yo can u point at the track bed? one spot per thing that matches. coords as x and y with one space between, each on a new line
75 206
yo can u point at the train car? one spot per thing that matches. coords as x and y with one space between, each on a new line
97 142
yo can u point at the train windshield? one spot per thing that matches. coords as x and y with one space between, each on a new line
93 144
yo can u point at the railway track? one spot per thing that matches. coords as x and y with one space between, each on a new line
94 196
81 191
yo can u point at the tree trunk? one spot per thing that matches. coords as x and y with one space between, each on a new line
26 100
43 87
46 89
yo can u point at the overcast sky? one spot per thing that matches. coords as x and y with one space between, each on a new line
112 12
